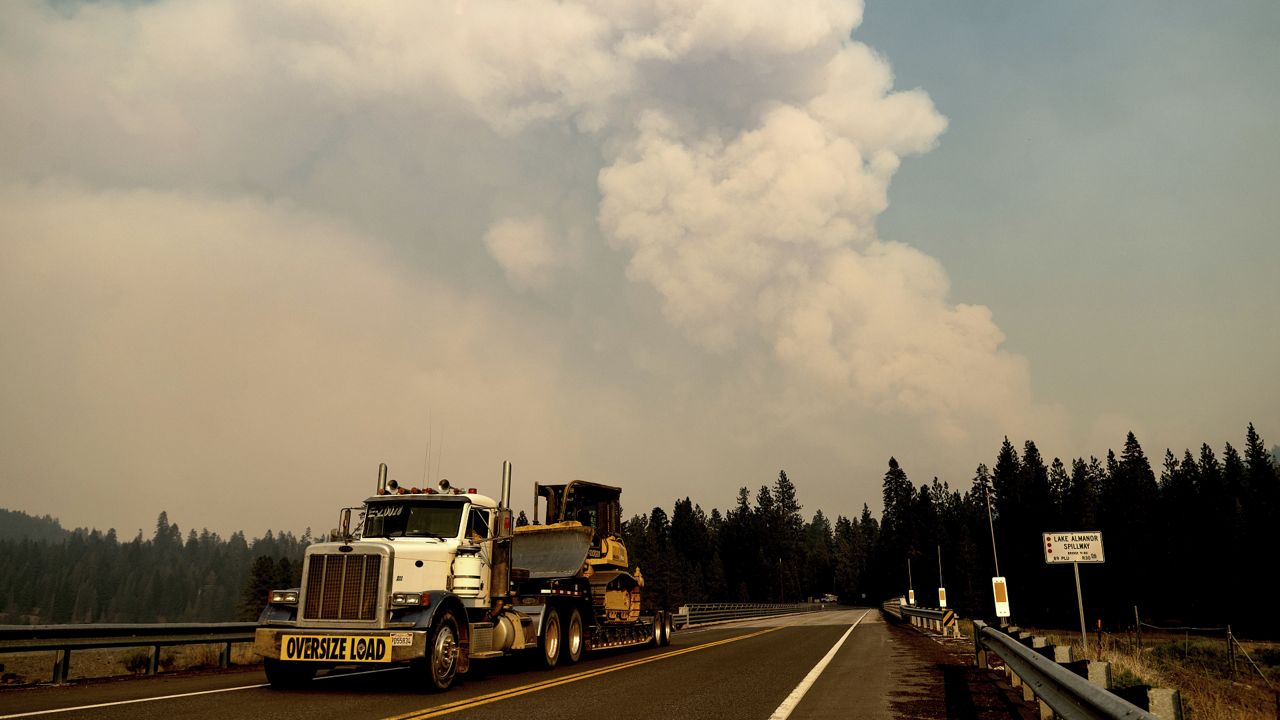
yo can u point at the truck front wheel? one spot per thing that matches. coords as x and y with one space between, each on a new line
549 643
284 675
441 663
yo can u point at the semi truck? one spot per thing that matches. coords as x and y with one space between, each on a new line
438 577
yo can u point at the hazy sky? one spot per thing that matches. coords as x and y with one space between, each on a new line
249 250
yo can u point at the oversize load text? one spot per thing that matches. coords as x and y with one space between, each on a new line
336 648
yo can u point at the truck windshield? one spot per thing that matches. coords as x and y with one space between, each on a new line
438 520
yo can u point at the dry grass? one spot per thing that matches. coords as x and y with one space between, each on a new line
1197 667
28 668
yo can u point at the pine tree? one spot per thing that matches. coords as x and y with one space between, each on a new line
897 531
819 551
262 580
789 528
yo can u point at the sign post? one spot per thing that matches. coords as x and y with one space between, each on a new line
1075 548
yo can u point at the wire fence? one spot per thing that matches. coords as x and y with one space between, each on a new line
1234 650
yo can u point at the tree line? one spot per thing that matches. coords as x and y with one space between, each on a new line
1187 544
93 577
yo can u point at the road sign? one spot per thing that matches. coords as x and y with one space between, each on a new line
1001 591
911 597
1073 547
942 597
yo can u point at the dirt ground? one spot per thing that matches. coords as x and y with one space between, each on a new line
960 690
37 667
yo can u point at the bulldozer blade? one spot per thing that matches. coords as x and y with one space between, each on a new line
551 551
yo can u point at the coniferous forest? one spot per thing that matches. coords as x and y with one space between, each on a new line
94 577
1187 540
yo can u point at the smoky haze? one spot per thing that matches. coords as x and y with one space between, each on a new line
255 248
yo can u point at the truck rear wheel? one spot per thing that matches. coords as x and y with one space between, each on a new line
573 638
285 675
657 628
549 643
667 625
441 663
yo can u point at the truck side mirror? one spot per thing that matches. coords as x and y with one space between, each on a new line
345 523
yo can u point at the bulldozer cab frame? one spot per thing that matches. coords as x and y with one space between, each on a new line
596 506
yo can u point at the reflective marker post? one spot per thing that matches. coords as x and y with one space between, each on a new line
1000 589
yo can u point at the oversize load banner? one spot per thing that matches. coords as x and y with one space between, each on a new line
1070 547
336 648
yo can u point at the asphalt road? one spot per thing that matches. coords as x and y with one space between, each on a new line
841 664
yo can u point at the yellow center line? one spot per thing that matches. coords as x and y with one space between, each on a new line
469 703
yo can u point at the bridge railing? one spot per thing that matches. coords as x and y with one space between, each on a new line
1055 686
65 638
940 620
893 607
705 613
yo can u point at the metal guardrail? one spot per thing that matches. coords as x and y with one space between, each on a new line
892 606
1068 694
65 638
705 613
937 614
939 619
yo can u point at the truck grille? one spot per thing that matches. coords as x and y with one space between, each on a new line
342 587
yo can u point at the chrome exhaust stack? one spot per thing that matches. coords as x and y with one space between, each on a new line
504 501
501 559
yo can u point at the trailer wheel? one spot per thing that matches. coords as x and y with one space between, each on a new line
657 628
284 675
574 641
441 664
549 643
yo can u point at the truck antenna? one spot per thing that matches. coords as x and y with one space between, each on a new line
439 453
426 457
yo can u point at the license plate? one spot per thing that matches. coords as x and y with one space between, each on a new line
336 648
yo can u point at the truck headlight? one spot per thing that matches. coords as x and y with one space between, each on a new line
284 597
414 599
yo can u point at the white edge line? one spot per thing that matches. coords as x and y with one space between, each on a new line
179 695
785 709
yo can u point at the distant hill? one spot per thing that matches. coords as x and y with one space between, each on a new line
16 525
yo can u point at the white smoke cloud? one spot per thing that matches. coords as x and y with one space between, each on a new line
243 358
524 250
733 157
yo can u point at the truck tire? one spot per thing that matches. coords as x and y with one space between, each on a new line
574 641
440 666
285 675
657 628
668 624
549 642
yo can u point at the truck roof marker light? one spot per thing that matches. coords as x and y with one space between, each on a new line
471 491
